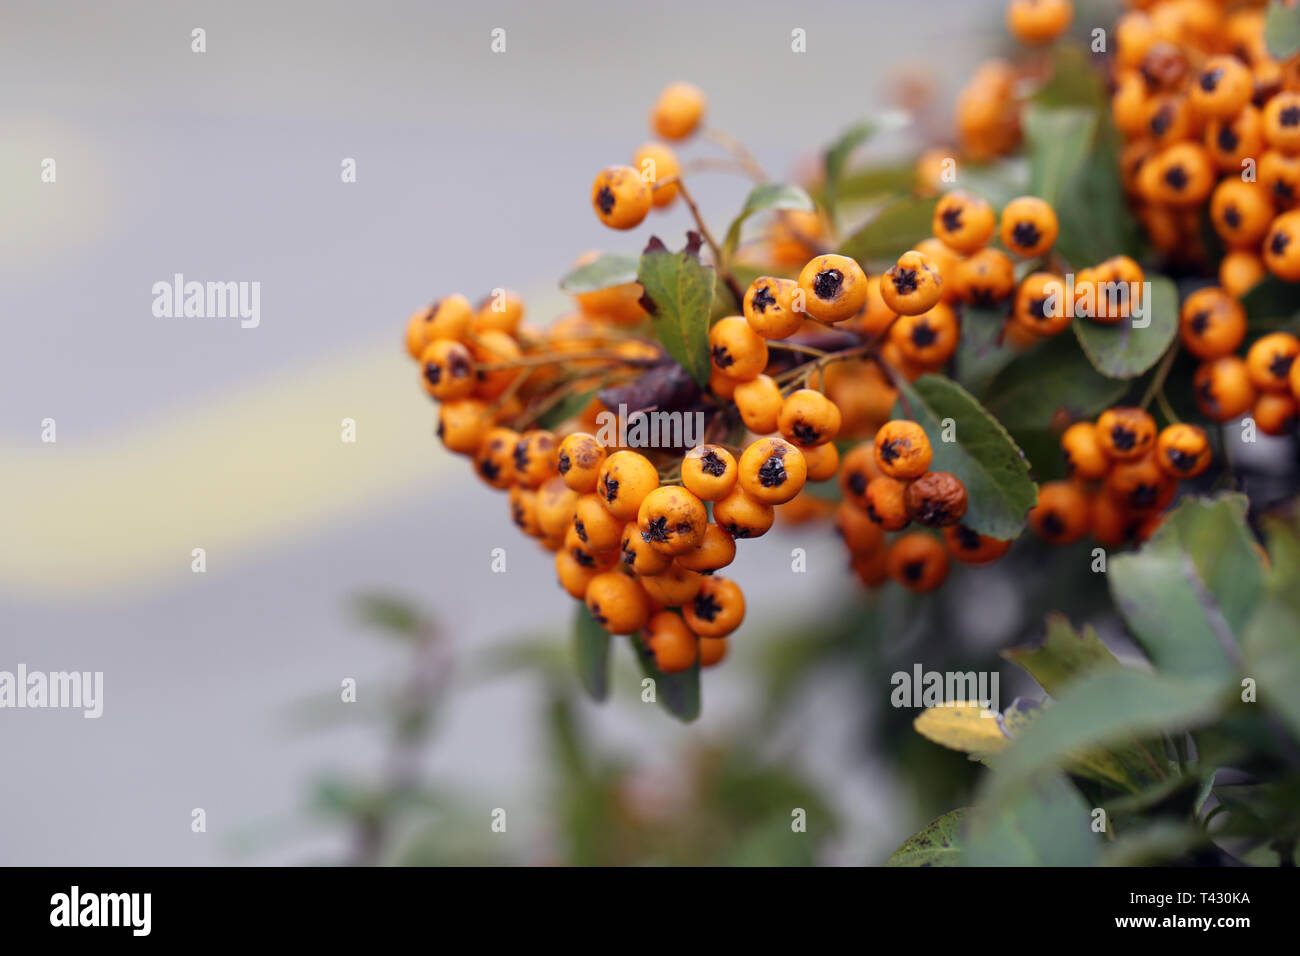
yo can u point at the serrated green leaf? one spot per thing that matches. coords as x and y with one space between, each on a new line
892 231
1062 656
1119 350
938 843
591 653
680 289
998 182
983 456
1035 388
606 270
838 154
768 196
1045 823
1118 769
1188 594
1108 707
1058 140
1282 30
678 693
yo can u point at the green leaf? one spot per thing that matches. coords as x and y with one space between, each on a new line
768 196
1119 769
1062 656
838 153
391 614
606 270
891 232
1190 591
1054 377
565 409
1271 298
1043 824
1282 30
1058 141
1074 81
591 650
1121 351
894 179
1108 707
938 843
1093 210
998 182
679 290
1271 644
1160 842
983 455
677 693
980 355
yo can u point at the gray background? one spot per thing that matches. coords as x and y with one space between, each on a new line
473 173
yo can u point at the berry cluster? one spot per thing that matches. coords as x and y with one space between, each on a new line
1123 474
887 484
1198 97
1266 383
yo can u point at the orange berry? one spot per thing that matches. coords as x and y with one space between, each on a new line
736 349
772 470
917 561
1183 451
1269 361
717 550
743 516
834 287
717 608
1085 456
808 418
624 480
672 519
912 285
969 547
658 167
1061 515
759 403
963 222
678 111
769 307
1126 433
902 450
617 602
1223 388
1029 226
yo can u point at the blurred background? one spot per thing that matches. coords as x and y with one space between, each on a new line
222 688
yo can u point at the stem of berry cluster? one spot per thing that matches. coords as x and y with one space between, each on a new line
738 151
719 262
1156 389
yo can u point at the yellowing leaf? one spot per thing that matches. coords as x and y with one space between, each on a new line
962 726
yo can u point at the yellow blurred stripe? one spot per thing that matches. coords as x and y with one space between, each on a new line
228 475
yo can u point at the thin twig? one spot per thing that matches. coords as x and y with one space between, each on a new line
719 262
738 151
1162 372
